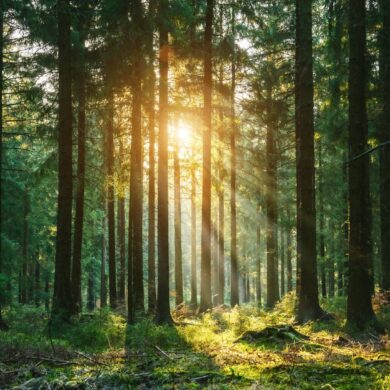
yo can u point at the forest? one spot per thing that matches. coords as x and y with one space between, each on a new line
195 194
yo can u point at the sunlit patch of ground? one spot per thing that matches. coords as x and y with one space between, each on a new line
200 352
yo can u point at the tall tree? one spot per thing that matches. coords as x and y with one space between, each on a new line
271 203
234 299
79 215
205 289
62 287
151 79
359 306
308 304
258 266
111 194
103 284
136 172
385 151
163 314
194 279
3 325
177 223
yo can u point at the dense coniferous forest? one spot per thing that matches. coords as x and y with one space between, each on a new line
194 194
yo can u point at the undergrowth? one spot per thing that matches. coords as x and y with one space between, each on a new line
101 351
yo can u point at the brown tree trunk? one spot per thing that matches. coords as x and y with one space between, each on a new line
234 296
122 242
103 285
194 279
3 325
111 198
62 298
152 169
282 263
359 306
308 304
385 151
163 314
271 206
177 217
205 281
258 267
79 216
321 223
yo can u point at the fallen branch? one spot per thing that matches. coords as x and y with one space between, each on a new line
163 352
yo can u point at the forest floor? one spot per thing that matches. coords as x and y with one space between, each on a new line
101 352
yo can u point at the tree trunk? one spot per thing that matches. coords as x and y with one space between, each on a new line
194 281
321 223
271 206
111 198
152 180
25 249
103 285
205 281
163 314
359 306
2 287
37 282
79 217
282 263
122 241
177 210
136 190
289 261
385 152
234 296
258 266
308 304
91 292
62 298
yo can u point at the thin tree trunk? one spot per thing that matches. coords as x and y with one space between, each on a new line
359 306
62 298
136 191
91 292
152 169
205 281
37 282
103 285
177 217
321 222
194 281
308 304
25 248
289 262
258 267
234 295
214 262
282 263
271 207
111 199
163 314
79 217
122 242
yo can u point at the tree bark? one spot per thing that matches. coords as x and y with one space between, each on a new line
79 216
103 285
308 304
163 314
152 168
177 222
258 267
321 223
2 287
205 281
111 198
385 152
194 279
359 306
62 298
234 296
136 187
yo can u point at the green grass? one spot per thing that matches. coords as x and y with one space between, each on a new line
102 351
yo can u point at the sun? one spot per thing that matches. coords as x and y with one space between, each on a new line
183 134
